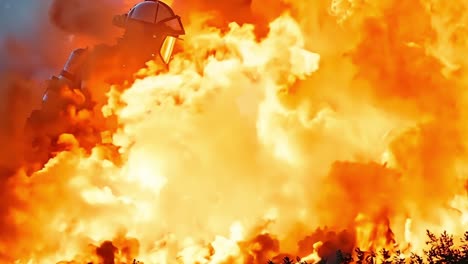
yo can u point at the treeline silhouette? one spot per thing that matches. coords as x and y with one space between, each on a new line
440 250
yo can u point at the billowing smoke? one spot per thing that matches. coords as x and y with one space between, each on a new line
85 16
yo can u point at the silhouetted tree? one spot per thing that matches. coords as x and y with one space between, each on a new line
442 250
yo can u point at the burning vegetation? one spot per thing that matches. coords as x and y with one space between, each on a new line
303 131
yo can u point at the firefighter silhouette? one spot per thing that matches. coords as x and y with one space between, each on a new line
151 30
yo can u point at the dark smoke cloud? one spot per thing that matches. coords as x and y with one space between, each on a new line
85 16
28 42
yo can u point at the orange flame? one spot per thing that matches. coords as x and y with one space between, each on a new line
352 119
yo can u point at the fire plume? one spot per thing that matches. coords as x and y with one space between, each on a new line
340 124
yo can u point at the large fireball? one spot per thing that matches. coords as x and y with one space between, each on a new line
349 115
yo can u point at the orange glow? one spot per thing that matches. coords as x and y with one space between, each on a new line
348 115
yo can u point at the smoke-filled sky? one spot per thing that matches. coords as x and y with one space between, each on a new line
18 17
44 32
